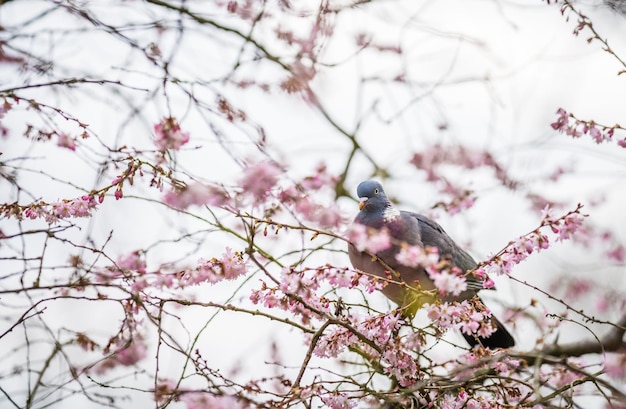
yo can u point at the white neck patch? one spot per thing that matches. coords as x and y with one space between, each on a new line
390 213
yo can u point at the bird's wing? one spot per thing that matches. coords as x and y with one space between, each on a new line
432 234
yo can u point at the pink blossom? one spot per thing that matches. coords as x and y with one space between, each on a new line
326 216
568 226
196 194
320 179
205 400
370 240
63 209
337 400
447 283
82 206
488 283
577 287
134 353
230 266
617 254
568 124
334 343
169 135
402 365
165 389
506 366
416 256
615 365
561 123
259 178
595 133
292 281
132 261
519 249
560 377
33 212
463 203
346 278
472 324
66 141
461 315
127 354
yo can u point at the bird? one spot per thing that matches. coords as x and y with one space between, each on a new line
412 229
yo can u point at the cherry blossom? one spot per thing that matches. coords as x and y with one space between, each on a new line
231 265
417 256
461 315
132 261
615 365
519 249
338 401
561 376
127 353
62 209
325 216
320 179
204 400
365 239
66 141
568 124
447 282
196 194
169 134
259 178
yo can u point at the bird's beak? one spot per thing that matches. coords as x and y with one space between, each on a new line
362 203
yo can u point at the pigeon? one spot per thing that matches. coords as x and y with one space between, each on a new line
407 228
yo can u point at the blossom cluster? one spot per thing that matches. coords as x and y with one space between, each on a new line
568 124
126 353
258 179
64 140
63 209
325 215
231 265
260 186
367 239
256 185
297 290
466 367
435 159
131 268
168 389
391 350
564 226
203 400
300 197
448 279
297 293
519 249
463 315
417 256
169 135
196 194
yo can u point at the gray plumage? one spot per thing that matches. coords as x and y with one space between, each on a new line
377 212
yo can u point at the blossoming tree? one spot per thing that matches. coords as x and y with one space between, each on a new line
177 183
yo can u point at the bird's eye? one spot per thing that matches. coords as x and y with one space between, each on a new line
376 191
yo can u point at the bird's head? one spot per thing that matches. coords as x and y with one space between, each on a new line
372 196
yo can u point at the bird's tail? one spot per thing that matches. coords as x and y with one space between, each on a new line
501 338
